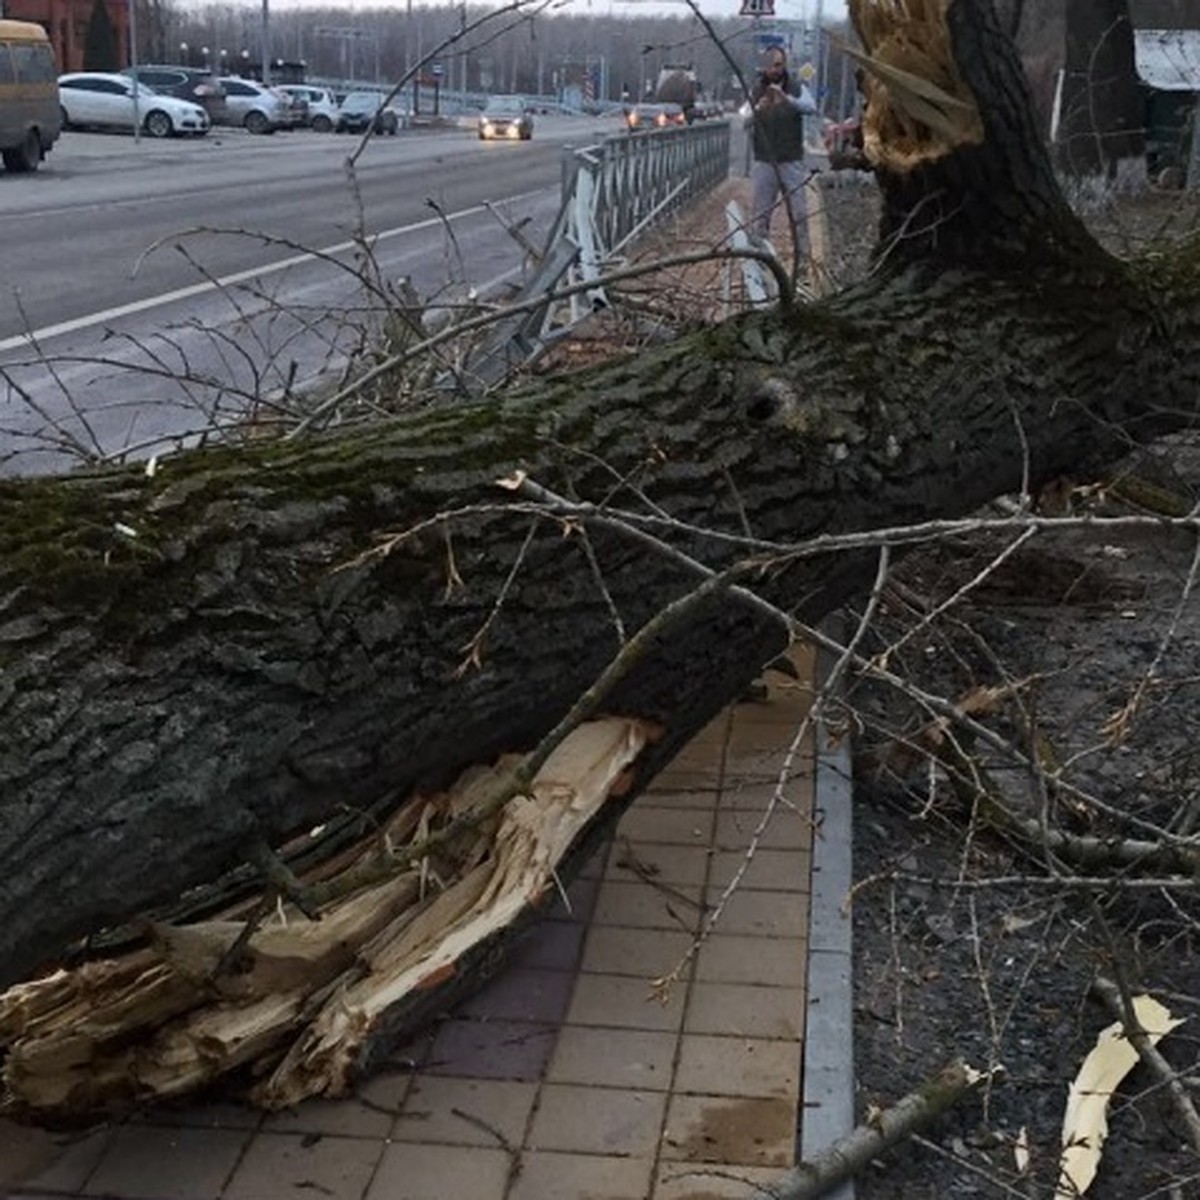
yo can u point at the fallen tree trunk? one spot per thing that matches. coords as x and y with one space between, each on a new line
205 661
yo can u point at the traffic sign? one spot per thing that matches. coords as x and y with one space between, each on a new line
437 70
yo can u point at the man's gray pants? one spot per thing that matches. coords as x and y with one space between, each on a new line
773 183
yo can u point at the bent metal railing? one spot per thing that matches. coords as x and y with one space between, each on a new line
613 191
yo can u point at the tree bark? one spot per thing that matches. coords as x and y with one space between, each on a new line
204 659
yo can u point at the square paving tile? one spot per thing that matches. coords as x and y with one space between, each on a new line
519 994
758 739
640 905
677 1181
550 1175
626 1058
704 798
678 779
730 958
645 953
624 1002
369 1114
672 826
754 793
736 1066
290 1164
65 1165
787 829
466 1112
411 1172
645 861
740 1131
549 946
767 870
702 753
745 1010
491 1050
25 1152
594 1120
762 914
145 1162
576 904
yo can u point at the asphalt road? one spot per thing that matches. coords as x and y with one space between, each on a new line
223 261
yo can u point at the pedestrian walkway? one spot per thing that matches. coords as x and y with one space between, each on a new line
610 1060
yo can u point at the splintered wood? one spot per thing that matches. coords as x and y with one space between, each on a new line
296 1006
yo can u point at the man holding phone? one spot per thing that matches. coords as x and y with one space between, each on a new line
775 113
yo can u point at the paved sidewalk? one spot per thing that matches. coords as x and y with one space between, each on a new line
565 1079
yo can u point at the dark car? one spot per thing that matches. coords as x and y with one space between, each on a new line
189 83
360 109
654 116
505 117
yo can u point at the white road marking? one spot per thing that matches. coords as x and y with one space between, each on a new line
37 336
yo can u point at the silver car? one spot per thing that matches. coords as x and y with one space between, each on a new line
254 107
99 100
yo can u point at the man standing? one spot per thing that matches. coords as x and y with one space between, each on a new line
775 113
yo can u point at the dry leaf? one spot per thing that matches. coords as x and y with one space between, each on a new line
1021 1150
1085 1123
513 482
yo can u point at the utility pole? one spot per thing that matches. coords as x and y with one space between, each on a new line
133 62
266 53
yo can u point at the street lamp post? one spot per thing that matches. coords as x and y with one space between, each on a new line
183 54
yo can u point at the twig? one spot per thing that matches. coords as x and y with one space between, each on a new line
850 1154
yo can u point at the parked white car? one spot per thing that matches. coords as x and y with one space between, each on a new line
322 107
99 100
258 109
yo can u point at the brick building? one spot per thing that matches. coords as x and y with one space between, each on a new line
66 21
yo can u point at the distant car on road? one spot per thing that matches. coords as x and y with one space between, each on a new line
188 83
505 117
257 108
360 109
101 100
322 107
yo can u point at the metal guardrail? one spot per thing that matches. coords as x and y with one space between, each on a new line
628 181
613 192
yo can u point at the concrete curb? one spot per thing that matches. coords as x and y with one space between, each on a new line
827 1098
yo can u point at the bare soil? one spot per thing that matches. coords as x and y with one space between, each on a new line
971 944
